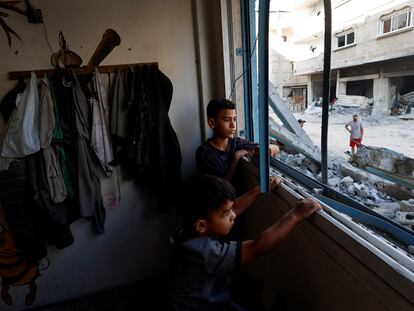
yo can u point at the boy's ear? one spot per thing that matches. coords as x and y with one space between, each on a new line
200 226
211 123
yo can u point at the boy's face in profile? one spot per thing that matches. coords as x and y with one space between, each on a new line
224 124
220 221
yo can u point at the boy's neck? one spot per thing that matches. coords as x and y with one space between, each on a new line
219 142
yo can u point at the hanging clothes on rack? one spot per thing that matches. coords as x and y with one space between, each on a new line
89 185
19 213
100 137
121 99
50 154
153 150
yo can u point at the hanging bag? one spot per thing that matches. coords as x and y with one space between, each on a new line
22 133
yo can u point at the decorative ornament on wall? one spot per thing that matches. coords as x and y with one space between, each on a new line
65 58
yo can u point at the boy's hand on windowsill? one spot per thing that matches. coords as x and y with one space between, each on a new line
274 182
305 208
273 150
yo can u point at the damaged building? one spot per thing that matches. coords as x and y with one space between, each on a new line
103 108
372 63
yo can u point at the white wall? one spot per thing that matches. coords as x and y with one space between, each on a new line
135 245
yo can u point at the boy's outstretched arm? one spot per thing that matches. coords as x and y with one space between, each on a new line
272 236
244 201
237 155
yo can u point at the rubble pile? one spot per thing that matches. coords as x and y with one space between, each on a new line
365 191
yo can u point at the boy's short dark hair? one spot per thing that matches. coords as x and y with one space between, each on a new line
215 105
201 194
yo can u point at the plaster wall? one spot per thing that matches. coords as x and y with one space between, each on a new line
135 245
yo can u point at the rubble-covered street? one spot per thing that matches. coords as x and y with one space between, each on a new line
385 197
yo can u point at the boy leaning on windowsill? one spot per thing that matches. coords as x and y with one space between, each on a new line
203 263
220 154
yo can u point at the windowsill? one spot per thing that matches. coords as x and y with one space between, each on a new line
356 239
344 47
396 32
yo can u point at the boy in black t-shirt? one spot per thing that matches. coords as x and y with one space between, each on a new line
221 153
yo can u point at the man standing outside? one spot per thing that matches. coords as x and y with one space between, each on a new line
356 129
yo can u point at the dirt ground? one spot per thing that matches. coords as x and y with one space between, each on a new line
390 132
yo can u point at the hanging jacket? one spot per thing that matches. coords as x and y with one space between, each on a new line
100 134
88 183
153 150
120 100
166 153
46 114
52 218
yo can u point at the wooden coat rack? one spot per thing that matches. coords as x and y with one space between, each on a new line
85 70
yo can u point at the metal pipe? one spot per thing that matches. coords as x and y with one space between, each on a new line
326 89
264 94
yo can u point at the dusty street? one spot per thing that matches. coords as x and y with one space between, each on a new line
389 132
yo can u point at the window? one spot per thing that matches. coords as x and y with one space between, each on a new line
345 39
395 22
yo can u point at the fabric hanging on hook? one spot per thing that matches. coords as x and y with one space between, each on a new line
22 133
100 135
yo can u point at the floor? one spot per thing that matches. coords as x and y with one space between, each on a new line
139 296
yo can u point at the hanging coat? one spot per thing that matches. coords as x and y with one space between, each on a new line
100 134
46 114
153 149
89 185
121 99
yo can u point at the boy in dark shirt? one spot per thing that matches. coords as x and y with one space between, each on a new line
202 263
221 153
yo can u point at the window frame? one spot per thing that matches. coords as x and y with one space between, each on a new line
393 18
264 166
345 34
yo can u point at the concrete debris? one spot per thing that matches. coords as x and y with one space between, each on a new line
392 206
333 182
353 101
282 110
407 116
390 188
407 205
390 213
385 160
380 195
346 181
405 218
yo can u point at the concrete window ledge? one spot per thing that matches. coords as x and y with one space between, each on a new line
396 32
328 264
344 47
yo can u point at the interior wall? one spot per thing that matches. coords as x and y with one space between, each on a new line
135 245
